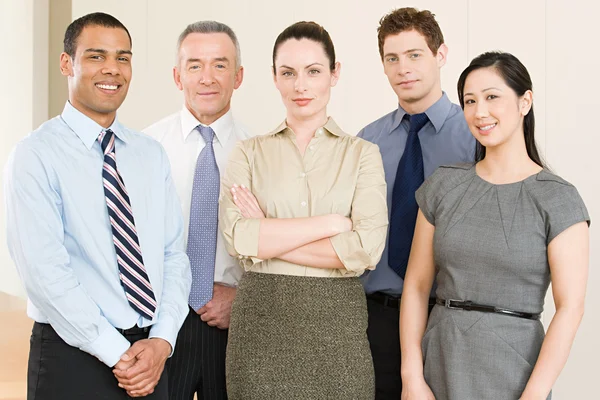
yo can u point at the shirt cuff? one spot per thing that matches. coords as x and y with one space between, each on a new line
349 250
245 237
166 328
109 346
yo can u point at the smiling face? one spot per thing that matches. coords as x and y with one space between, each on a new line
99 73
304 79
413 70
207 74
492 109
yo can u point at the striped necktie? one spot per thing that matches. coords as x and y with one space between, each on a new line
132 272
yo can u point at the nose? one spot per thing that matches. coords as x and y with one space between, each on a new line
403 68
300 83
481 109
207 76
111 67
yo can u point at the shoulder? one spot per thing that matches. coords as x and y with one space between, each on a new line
160 128
240 130
548 187
383 124
448 177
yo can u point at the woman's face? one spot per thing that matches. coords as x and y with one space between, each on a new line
303 77
492 109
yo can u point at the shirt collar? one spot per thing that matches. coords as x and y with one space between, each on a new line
87 129
330 126
437 113
222 127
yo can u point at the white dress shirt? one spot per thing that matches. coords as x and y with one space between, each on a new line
183 144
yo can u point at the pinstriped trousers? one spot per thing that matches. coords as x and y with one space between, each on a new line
198 364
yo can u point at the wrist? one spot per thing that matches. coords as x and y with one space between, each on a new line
164 347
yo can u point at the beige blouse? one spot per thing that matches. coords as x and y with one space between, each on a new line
339 174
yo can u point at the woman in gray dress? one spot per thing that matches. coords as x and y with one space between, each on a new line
492 234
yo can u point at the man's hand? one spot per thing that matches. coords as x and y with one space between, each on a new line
141 366
246 202
218 310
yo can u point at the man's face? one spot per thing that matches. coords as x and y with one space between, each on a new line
412 69
207 74
100 72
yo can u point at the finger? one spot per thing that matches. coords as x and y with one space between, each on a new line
240 198
133 351
212 322
136 373
150 380
144 391
202 310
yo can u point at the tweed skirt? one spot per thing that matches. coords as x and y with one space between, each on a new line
296 337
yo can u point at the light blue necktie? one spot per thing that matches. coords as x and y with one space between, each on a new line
202 235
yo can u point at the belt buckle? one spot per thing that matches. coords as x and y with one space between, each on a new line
447 304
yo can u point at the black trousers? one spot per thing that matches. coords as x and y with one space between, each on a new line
384 337
198 364
58 371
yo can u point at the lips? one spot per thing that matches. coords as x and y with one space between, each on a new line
407 83
487 128
302 101
108 87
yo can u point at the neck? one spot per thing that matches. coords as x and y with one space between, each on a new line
306 127
208 119
423 104
508 162
105 120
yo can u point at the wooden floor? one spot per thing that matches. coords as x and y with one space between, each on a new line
14 347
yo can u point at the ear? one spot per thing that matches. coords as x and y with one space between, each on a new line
526 102
335 74
441 55
66 64
177 78
239 77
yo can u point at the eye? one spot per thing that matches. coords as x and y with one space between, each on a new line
220 66
95 57
469 101
492 97
194 67
391 59
314 72
414 55
123 59
287 73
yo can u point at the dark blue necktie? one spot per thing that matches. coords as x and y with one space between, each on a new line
409 177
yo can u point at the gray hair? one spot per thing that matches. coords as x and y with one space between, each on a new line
212 27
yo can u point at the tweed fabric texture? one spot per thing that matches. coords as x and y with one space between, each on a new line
295 337
490 247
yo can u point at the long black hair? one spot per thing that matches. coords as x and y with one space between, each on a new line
515 75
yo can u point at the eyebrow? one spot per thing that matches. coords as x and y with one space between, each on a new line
484 90
308 66
103 51
218 59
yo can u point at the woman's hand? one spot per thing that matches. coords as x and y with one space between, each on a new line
246 202
417 390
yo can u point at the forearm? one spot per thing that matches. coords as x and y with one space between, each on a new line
278 236
318 254
413 321
554 352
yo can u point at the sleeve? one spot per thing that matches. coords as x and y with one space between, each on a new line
241 234
177 276
35 234
564 208
361 248
430 193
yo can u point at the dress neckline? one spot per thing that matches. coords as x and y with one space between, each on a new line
530 177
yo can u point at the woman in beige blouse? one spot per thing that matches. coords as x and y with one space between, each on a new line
304 209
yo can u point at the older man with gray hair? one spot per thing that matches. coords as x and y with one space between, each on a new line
198 140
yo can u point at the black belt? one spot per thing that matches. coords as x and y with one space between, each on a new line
136 330
470 306
389 301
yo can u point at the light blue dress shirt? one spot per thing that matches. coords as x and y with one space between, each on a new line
445 139
60 237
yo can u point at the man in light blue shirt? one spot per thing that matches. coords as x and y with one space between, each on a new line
412 50
96 232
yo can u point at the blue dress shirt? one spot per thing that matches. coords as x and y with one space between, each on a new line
60 237
445 139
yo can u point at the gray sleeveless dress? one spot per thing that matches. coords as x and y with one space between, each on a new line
490 247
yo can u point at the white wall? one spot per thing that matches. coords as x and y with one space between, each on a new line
553 39
24 99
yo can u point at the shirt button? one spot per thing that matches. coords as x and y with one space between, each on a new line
311 147
303 204
241 257
302 175
320 131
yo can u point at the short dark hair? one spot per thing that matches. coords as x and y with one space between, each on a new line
307 30
516 76
408 19
94 19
